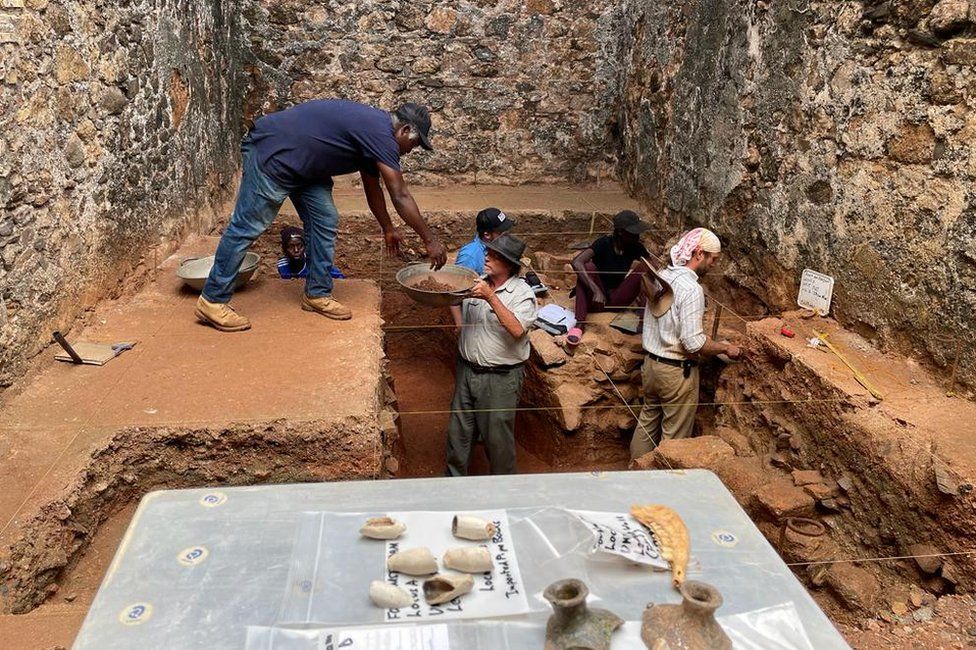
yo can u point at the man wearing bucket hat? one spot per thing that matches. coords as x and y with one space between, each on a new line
294 154
608 273
493 346
675 341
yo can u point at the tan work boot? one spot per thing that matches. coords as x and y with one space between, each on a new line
221 316
328 307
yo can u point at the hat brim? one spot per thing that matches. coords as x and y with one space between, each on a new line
424 140
660 294
637 228
503 254
503 226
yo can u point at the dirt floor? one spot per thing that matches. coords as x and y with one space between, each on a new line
51 431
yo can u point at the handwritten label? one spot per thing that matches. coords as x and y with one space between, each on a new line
421 637
816 290
495 593
620 534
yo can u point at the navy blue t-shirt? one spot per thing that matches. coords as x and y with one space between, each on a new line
312 142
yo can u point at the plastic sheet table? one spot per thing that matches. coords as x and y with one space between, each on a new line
238 568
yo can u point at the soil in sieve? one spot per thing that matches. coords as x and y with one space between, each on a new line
430 284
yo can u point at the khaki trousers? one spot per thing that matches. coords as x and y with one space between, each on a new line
483 407
670 402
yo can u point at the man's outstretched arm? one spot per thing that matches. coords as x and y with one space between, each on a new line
377 205
407 208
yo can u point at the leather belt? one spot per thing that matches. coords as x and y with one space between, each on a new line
685 364
500 369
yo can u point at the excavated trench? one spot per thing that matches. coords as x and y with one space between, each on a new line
772 458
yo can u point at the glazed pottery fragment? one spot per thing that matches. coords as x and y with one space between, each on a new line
444 587
388 596
382 528
473 528
474 559
415 562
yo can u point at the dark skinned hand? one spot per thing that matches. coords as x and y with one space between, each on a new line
436 253
393 238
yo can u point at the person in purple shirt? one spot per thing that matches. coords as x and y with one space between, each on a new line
294 154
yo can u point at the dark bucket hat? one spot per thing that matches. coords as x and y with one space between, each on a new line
509 247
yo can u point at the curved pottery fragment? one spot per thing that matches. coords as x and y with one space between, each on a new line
382 528
444 587
473 528
414 562
574 626
475 559
688 626
671 535
388 596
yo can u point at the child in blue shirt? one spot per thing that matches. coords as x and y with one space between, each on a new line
292 264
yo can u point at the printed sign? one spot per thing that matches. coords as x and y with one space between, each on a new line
421 637
496 593
816 290
620 534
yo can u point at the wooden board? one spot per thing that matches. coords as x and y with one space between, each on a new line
95 354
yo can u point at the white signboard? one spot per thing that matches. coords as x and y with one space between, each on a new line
816 290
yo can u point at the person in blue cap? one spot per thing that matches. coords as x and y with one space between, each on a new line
294 154
490 223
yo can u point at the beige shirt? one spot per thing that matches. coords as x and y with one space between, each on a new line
483 340
678 334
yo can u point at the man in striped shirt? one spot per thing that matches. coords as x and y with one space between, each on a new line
675 342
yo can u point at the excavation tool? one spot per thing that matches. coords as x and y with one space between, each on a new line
60 340
858 375
94 354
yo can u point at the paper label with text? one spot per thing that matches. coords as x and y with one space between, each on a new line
620 534
497 593
421 637
816 291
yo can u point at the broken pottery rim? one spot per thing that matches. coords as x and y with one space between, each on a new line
700 595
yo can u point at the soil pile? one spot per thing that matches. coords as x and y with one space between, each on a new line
430 284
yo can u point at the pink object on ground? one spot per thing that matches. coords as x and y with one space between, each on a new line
574 335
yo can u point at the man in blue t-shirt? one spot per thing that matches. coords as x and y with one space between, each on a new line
294 154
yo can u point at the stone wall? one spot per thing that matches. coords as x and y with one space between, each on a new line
117 127
830 135
520 90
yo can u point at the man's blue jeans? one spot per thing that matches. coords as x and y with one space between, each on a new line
258 201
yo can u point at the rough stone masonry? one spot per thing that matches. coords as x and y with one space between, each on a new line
831 135
119 124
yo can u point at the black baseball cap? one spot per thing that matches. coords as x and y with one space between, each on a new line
418 117
492 220
628 221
